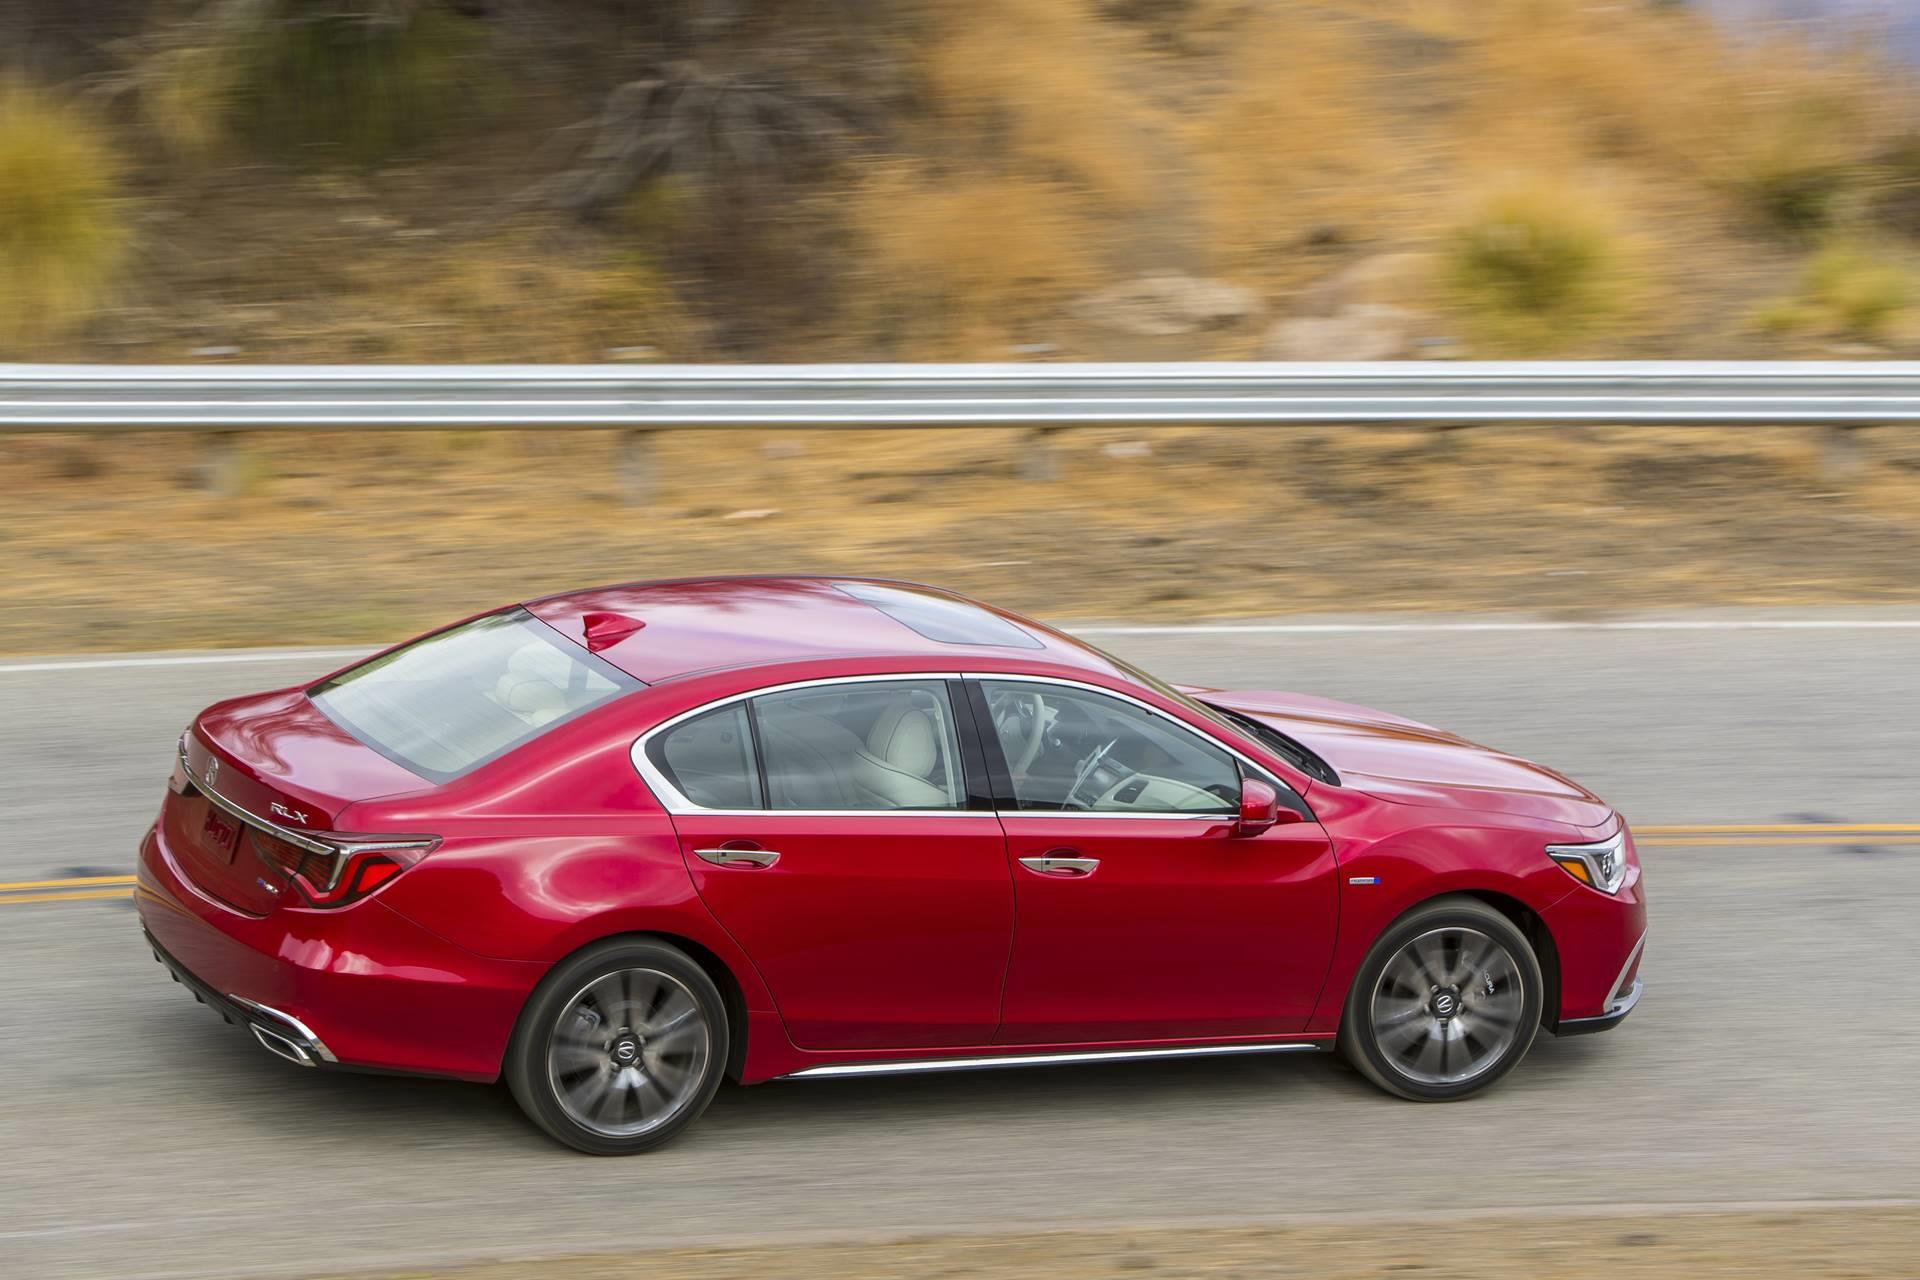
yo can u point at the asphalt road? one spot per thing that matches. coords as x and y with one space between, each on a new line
1774 1057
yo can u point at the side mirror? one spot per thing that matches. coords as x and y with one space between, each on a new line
1260 809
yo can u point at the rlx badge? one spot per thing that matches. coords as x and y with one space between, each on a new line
279 810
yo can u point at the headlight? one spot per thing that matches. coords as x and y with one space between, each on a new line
1602 865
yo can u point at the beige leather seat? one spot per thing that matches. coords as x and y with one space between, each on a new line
902 749
815 763
530 691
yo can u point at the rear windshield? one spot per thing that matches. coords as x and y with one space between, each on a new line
452 701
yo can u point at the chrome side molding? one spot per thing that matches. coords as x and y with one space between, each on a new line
1049 1059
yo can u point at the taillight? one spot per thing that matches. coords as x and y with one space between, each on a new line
358 870
347 870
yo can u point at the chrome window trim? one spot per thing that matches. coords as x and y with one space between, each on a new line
675 803
671 798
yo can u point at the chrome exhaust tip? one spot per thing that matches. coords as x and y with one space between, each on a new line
281 1046
283 1034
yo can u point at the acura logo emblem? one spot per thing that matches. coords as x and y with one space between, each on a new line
213 770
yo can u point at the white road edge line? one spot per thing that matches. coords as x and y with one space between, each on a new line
1388 628
1119 629
190 660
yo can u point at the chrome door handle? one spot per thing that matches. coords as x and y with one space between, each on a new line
1064 868
739 857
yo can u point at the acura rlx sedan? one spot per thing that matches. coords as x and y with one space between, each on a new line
618 844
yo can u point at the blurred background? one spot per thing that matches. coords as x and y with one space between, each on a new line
827 180
1712 627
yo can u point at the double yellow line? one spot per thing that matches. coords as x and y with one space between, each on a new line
1700 836
71 889
1777 833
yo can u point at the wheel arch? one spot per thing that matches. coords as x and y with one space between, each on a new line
1534 929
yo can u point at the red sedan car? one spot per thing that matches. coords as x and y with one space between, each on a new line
617 844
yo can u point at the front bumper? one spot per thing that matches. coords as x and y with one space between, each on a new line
1615 1015
360 987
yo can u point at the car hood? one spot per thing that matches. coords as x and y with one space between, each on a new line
1406 762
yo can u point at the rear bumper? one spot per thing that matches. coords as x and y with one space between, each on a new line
281 1034
360 987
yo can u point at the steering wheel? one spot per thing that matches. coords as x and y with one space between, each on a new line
1086 771
1029 716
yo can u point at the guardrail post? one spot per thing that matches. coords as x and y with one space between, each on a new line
637 467
221 463
1037 457
1841 457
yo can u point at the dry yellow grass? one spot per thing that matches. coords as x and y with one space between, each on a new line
1041 87
1828 1243
61 234
1297 138
957 265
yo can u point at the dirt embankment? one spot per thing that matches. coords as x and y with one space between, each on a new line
363 538
1804 1244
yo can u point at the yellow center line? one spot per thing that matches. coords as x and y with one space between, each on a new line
1783 828
1672 836
77 895
65 884
1768 842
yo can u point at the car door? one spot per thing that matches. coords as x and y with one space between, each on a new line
1141 916
831 828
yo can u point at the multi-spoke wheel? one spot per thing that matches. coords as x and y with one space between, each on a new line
620 1048
1446 1002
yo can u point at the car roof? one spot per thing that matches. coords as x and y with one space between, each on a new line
695 625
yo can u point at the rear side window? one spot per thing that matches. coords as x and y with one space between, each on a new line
861 745
450 702
709 759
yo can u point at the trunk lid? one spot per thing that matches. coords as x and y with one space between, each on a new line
283 769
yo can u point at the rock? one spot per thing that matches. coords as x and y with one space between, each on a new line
1168 303
1385 279
1357 333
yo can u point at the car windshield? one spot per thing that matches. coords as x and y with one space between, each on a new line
450 702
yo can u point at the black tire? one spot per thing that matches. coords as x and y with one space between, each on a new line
605 996
1498 991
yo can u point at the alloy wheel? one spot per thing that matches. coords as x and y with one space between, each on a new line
629 1052
1448 1006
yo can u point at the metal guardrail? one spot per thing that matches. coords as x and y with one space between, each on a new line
106 398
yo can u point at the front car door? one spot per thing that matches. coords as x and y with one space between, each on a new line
831 828
1140 915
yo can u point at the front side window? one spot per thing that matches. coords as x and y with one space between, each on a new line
1070 749
861 745
451 701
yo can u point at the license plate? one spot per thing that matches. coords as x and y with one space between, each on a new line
220 834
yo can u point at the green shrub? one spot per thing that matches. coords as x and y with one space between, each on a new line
1862 291
60 231
1536 263
301 75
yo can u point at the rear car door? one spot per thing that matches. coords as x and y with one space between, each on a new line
1141 916
831 827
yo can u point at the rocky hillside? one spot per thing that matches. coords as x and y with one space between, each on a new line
1028 179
